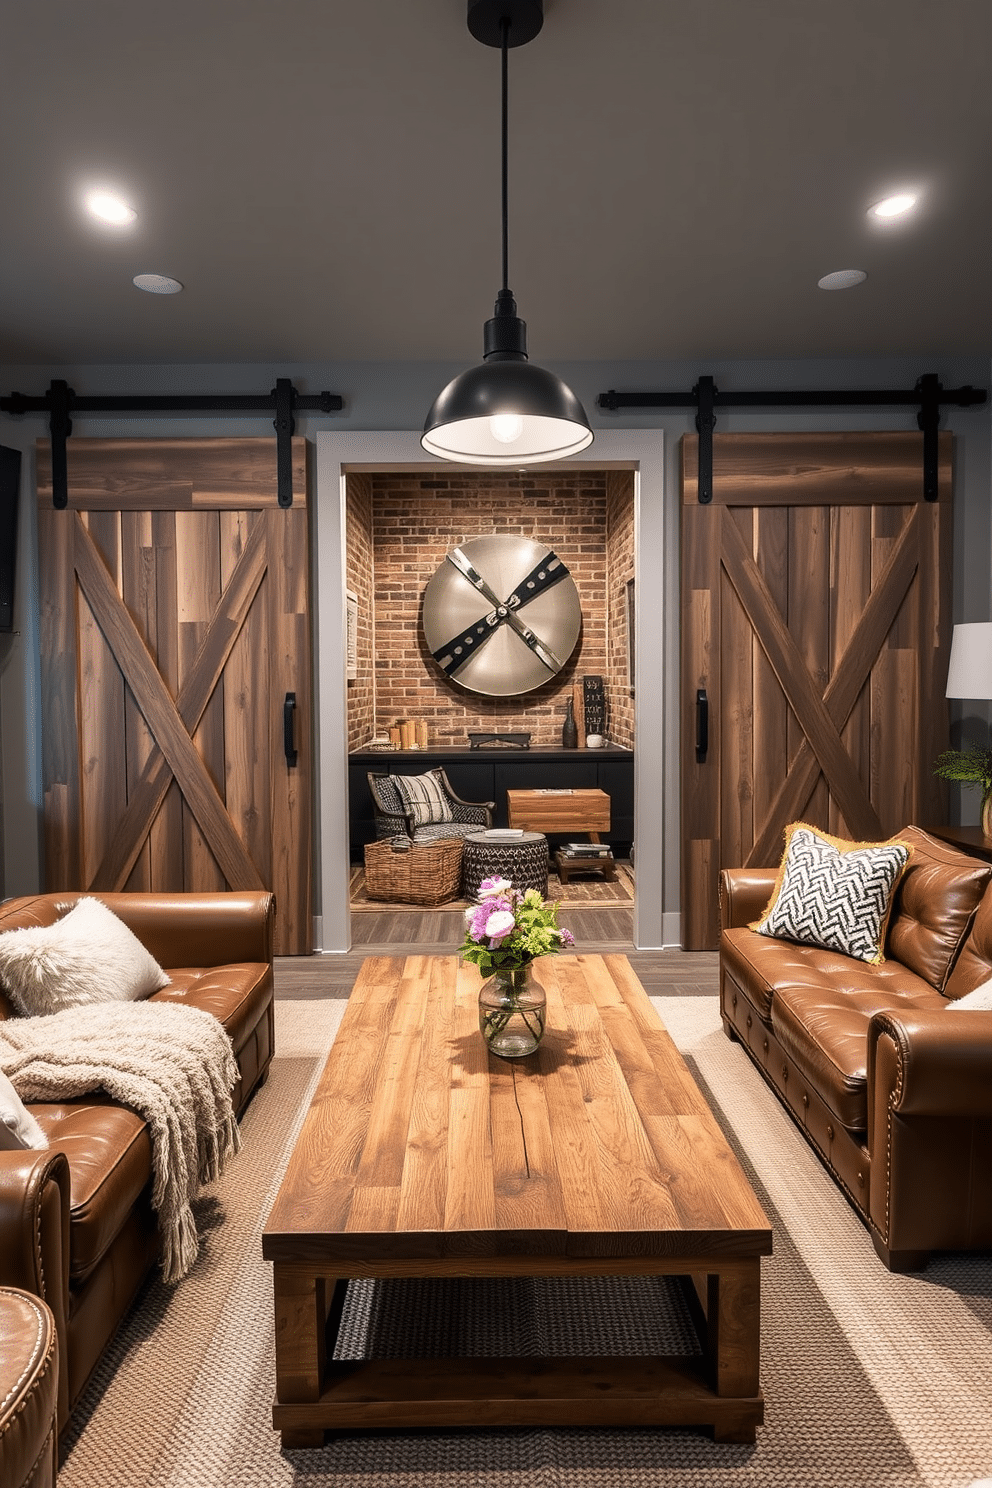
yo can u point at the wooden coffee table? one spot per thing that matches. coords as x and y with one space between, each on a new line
422 1155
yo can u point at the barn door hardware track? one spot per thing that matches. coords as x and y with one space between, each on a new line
61 402
928 395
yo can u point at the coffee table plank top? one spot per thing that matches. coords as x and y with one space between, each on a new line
420 1144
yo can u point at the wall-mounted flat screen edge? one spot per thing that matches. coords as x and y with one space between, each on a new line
10 481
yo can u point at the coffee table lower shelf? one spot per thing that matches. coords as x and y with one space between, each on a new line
708 1389
377 1394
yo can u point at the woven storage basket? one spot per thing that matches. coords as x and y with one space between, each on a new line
429 873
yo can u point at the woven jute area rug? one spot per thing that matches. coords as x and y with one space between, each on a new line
870 1380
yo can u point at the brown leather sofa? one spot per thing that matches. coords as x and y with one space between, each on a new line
892 1090
76 1224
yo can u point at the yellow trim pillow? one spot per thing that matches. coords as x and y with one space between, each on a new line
833 893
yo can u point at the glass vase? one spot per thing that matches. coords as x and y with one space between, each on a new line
512 1009
987 813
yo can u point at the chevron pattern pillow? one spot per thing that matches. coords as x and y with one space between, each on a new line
834 894
424 797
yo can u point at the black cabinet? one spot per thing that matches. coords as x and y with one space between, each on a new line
487 775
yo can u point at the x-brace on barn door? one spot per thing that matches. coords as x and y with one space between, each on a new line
816 623
175 665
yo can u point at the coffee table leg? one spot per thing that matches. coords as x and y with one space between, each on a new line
734 1338
301 1343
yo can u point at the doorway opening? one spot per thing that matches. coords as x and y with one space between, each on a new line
386 472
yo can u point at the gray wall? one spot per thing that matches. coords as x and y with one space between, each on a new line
396 396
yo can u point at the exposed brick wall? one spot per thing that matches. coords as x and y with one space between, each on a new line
359 571
620 568
415 520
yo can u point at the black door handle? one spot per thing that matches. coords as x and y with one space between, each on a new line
288 717
702 725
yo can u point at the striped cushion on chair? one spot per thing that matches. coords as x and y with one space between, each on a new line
424 797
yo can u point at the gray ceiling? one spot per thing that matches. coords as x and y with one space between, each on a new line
323 177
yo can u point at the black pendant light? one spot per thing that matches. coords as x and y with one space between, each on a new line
505 411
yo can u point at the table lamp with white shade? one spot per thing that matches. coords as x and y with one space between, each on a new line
969 675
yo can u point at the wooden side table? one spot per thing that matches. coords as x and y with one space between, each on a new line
585 811
560 811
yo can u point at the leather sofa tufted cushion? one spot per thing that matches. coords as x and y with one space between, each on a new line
109 1151
236 994
934 907
824 1030
762 966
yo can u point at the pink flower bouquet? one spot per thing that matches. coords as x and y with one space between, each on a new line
506 930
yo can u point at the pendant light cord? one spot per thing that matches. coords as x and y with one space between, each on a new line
504 27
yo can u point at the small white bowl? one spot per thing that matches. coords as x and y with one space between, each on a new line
594 741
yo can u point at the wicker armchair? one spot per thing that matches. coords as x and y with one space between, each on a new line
393 820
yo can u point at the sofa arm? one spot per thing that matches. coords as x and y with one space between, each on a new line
744 895
929 1102
938 1063
197 929
34 1239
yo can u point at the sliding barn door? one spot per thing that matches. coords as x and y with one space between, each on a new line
175 623
816 623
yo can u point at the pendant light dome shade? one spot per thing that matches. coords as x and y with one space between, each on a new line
506 413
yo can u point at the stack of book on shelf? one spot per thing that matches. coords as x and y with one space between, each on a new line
587 850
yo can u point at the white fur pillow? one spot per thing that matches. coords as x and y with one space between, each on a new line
980 998
18 1128
88 956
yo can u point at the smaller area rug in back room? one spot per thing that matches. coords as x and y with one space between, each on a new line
870 1380
579 893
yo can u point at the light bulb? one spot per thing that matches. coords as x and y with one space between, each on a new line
506 427
110 208
894 206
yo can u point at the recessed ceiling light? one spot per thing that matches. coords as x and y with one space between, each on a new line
893 206
110 208
842 279
156 283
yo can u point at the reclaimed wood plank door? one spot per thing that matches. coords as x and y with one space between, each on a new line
175 621
816 619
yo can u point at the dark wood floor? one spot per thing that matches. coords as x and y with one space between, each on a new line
672 973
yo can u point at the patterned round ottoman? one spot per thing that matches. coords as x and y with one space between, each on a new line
523 860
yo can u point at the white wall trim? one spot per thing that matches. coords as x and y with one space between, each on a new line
656 732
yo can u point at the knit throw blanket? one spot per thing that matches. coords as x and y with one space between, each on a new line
171 1063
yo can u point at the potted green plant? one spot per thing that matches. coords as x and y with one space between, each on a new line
970 767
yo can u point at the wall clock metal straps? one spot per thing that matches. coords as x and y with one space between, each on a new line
476 599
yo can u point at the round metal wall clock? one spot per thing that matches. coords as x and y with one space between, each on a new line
501 615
